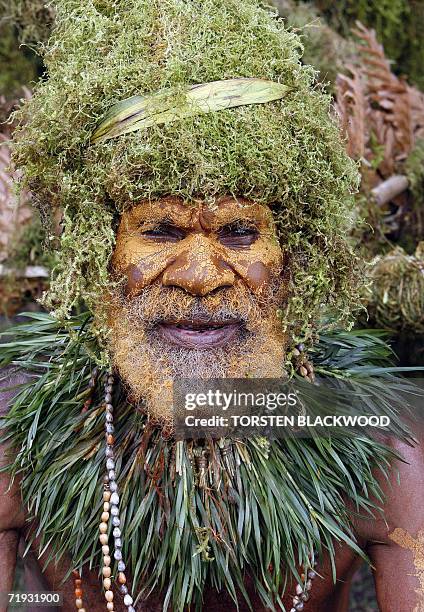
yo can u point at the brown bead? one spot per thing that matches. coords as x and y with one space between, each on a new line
105 549
106 495
82 609
103 527
105 516
110 439
75 573
78 603
107 560
78 593
121 578
107 583
106 507
109 595
78 582
106 571
104 538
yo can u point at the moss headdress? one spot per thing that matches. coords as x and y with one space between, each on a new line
286 153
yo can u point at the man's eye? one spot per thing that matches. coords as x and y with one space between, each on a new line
237 235
164 232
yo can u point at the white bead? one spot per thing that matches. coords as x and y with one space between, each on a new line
109 595
128 600
114 499
299 589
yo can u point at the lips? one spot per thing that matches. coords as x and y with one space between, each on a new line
199 334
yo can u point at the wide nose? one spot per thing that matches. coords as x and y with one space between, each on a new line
199 268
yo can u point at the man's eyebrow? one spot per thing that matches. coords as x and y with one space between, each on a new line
237 221
162 217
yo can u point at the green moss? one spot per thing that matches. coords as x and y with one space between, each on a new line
287 154
396 300
414 169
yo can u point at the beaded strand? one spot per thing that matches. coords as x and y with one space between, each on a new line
78 591
111 509
303 591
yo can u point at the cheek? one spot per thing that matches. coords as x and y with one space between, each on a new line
141 264
258 265
258 275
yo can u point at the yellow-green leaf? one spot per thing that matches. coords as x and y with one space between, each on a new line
140 112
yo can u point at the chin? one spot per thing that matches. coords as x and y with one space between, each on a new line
149 365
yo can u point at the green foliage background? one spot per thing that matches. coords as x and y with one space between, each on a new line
399 25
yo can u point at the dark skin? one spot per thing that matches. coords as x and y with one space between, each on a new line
158 243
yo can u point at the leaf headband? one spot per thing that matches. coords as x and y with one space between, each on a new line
140 112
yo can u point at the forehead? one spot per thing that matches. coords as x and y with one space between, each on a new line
220 210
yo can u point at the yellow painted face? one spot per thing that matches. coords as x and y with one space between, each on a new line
202 287
199 248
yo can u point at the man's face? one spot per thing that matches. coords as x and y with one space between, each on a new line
201 286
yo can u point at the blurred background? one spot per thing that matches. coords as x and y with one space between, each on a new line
369 56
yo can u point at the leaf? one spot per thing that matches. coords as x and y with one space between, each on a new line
140 112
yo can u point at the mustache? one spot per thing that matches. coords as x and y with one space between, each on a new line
156 304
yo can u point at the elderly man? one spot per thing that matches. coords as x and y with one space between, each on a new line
204 232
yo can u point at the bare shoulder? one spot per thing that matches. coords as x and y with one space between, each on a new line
403 491
11 510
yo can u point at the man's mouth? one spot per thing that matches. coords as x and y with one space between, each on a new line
199 334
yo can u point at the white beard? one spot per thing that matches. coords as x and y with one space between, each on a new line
148 363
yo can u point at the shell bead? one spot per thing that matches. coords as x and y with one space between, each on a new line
109 595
